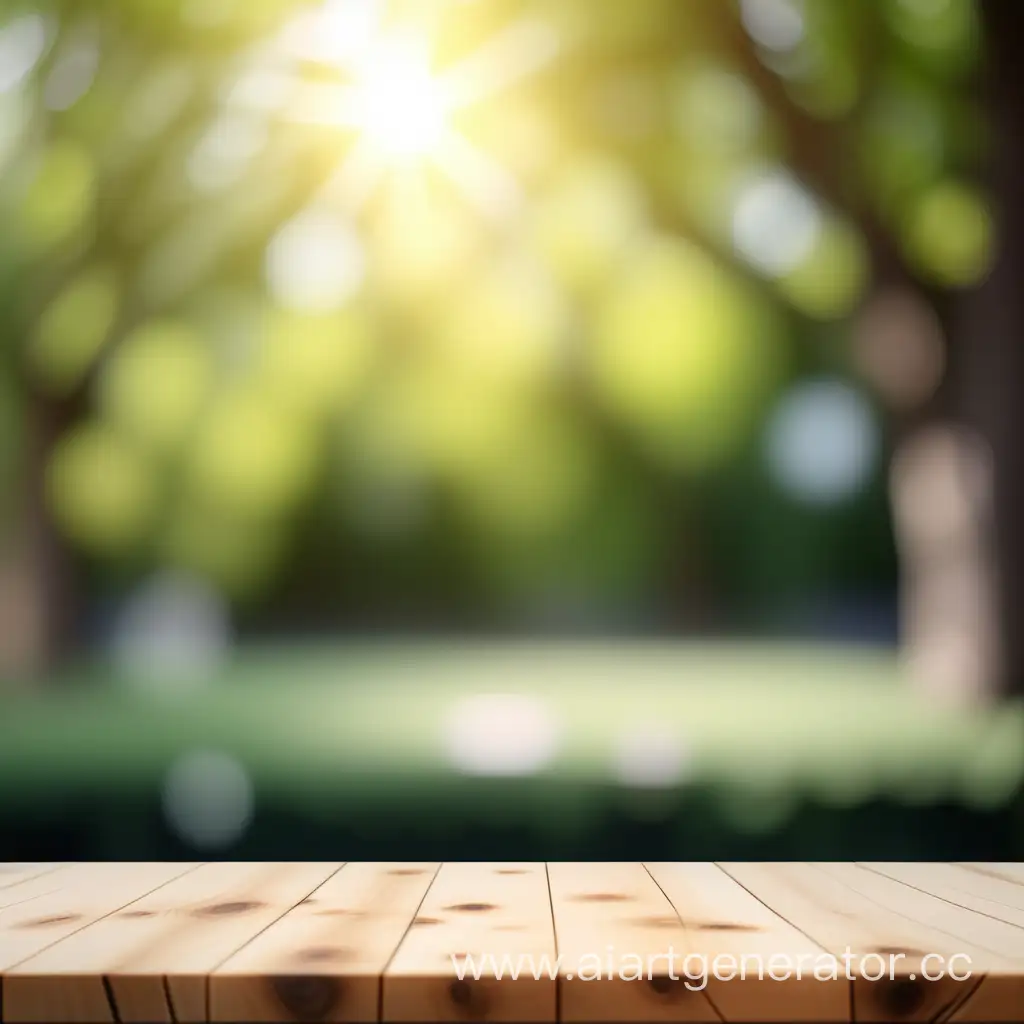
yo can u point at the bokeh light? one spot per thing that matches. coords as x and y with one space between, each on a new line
102 489
59 198
717 109
315 263
73 329
23 41
679 353
224 154
74 69
509 325
587 224
776 224
208 799
501 734
157 382
172 635
900 348
536 481
252 455
423 243
949 234
822 442
775 24
650 755
316 364
944 30
831 281
904 142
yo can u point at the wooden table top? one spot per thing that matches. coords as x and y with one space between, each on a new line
247 942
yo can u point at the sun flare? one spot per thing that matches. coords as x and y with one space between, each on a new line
400 107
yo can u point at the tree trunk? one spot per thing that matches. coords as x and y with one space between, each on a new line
991 332
36 578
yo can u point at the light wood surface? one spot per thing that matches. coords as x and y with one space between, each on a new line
255 942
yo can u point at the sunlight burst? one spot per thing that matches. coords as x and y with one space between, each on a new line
400 110
399 105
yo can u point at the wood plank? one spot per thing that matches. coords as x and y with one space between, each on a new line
859 931
150 963
88 893
612 921
759 966
133 943
471 911
324 958
985 894
85 893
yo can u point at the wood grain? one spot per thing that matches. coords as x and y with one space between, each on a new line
1013 873
29 888
986 894
331 942
13 875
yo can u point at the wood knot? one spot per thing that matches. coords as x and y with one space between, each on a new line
601 897
710 926
138 913
663 985
308 998
325 954
656 922
470 999
902 997
426 920
222 909
511 871
406 872
472 908
910 954
46 922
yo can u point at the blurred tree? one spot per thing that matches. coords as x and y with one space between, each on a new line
245 321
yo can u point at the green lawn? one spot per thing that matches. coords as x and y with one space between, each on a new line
363 726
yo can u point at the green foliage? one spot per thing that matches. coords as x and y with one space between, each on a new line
57 200
156 384
949 234
681 352
72 330
498 341
103 490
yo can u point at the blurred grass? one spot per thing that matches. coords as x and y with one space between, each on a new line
365 726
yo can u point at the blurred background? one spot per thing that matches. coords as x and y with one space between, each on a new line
511 428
